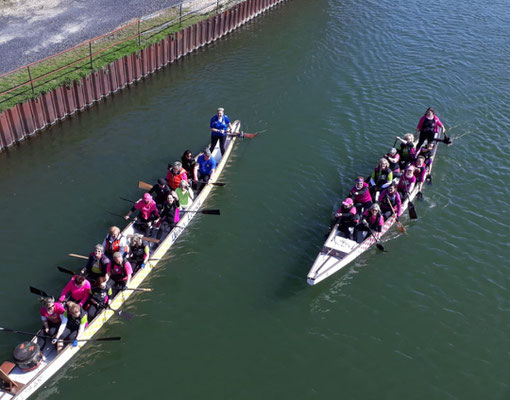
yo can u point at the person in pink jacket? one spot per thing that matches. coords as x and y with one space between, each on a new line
148 213
371 221
406 183
428 126
77 290
360 193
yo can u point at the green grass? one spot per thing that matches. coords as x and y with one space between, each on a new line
67 73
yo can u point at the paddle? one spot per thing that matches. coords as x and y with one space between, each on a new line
400 227
412 210
377 241
77 256
147 186
106 339
246 135
208 212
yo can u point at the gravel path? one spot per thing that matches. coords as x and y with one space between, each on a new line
33 29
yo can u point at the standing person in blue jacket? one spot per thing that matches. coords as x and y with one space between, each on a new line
220 127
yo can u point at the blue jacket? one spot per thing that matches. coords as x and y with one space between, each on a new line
206 166
215 124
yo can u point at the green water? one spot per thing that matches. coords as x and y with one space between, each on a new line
231 315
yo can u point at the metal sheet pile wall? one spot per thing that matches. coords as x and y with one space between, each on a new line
26 119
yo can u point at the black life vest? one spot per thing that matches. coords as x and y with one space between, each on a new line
99 294
428 126
73 324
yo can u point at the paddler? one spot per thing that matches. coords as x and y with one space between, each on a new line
393 158
72 325
381 178
50 316
371 219
138 252
184 195
100 294
204 169
175 175
120 273
346 217
360 193
406 183
391 196
220 127
428 126
114 241
168 218
148 212
76 290
159 192
96 264
188 163
420 170
407 151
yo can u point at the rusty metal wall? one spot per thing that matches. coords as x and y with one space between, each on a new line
26 119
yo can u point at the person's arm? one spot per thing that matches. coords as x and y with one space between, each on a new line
132 210
191 195
86 293
63 323
83 323
439 123
420 124
87 266
66 290
399 138
195 170
213 125
227 123
44 321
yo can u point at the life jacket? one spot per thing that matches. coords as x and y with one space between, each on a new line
418 172
138 253
392 199
175 179
73 324
407 151
381 176
394 166
429 125
350 218
99 265
113 245
100 295
118 271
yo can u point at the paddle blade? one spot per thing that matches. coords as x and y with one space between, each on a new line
66 271
38 292
211 212
412 211
401 228
249 135
380 247
144 185
125 315
218 184
108 339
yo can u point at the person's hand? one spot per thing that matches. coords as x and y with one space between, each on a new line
356 193
149 224
337 215
126 217
75 343
142 265
46 330
62 298
54 341
365 223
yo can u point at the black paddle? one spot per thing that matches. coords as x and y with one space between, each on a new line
213 183
106 339
208 212
412 210
377 241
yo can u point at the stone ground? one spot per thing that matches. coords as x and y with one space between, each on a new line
34 29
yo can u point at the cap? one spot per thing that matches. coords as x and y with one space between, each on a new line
207 152
348 202
147 197
161 181
393 150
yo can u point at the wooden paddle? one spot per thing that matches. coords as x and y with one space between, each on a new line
400 227
78 256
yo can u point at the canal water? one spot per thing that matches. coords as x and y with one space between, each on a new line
230 315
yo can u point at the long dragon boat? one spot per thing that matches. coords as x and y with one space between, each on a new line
17 383
338 251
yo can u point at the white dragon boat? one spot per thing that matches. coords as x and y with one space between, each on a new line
19 384
338 251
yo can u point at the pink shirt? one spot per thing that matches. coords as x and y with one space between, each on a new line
54 317
79 293
146 209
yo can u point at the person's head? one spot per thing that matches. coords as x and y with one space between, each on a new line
100 282
183 185
383 163
220 111
374 208
147 198
430 112
359 182
207 154
74 309
114 231
136 240
392 151
79 280
420 161
430 146
161 182
170 199
187 154
176 167
392 188
117 257
409 137
48 303
410 171
347 203
99 250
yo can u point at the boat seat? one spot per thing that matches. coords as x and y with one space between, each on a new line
5 370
